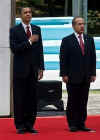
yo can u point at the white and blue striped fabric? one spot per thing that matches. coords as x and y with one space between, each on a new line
53 30
51 53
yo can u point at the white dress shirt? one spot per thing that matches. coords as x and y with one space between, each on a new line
25 28
76 34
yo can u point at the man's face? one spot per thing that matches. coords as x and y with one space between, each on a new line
79 25
26 15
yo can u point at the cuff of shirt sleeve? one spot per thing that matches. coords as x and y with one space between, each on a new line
30 42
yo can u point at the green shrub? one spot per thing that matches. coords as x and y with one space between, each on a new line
94 23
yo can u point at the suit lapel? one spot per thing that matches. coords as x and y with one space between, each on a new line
85 42
75 41
22 31
33 29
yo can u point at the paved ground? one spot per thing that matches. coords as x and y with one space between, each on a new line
93 106
93 102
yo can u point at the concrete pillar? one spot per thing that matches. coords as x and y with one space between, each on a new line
76 8
66 8
80 8
85 12
5 16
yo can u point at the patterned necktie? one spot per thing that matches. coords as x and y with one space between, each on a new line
28 32
81 44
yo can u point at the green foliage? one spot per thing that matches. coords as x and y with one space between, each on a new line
24 3
40 9
94 23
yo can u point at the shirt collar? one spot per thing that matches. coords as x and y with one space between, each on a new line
77 36
24 25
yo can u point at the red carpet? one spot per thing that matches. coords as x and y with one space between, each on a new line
50 128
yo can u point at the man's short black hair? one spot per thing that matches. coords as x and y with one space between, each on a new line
20 11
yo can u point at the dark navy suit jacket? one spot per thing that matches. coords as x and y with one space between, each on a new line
26 56
73 64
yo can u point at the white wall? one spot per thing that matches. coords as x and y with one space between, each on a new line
5 6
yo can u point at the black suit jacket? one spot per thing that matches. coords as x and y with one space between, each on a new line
72 63
26 56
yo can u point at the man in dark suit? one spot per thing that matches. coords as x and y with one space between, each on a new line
78 69
28 66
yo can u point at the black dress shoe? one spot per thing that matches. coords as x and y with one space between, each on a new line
32 131
83 128
20 131
73 129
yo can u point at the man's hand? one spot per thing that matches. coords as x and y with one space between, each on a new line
93 78
40 74
65 79
34 38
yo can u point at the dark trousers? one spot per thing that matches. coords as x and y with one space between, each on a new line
76 110
25 101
